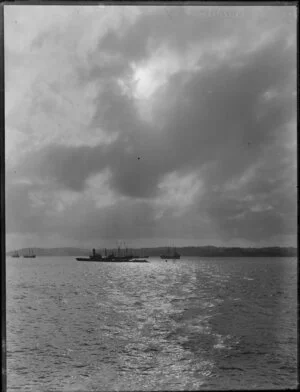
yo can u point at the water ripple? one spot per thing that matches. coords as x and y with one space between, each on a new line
212 324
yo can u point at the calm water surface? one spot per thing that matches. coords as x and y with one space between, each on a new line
190 324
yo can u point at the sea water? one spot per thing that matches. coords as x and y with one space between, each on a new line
189 324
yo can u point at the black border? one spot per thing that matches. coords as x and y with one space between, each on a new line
2 207
2 131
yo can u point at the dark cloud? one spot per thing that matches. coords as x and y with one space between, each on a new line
217 121
220 120
67 166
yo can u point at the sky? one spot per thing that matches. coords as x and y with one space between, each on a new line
154 125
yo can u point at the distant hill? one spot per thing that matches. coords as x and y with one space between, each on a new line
53 252
204 251
215 251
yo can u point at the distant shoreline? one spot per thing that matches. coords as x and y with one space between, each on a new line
200 251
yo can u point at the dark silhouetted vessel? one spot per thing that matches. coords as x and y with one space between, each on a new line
125 258
30 254
93 257
170 254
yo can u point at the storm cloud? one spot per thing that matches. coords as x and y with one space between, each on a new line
154 124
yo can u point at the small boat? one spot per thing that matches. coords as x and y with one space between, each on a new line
15 254
30 254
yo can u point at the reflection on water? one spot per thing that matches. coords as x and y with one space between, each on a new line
183 325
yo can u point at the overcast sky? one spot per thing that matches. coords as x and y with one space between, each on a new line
154 125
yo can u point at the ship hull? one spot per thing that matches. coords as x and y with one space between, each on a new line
112 260
169 257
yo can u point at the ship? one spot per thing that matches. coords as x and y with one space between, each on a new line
126 257
30 254
170 254
93 257
15 254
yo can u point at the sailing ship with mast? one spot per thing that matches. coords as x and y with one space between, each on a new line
117 255
30 254
170 254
